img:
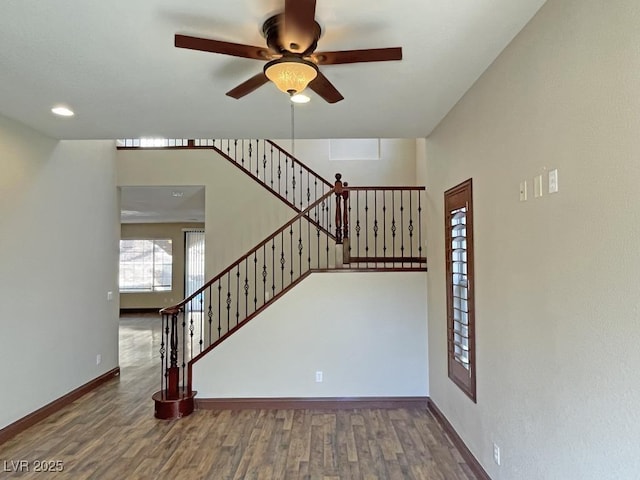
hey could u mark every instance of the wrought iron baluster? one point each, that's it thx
(291, 252)
(246, 287)
(264, 272)
(210, 315)
(237, 293)
(282, 260)
(273, 266)
(402, 226)
(219, 307)
(366, 223)
(271, 165)
(300, 247)
(163, 358)
(293, 183)
(184, 331)
(410, 224)
(393, 222)
(384, 224)
(279, 170)
(255, 281)
(419, 225)
(358, 228)
(375, 222)
(228, 302)
(300, 188)
(286, 177)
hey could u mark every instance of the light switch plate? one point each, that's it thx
(553, 180)
(537, 186)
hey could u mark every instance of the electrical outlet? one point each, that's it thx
(523, 191)
(318, 376)
(109, 296)
(98, 359)
(496, 454)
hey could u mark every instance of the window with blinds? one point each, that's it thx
(145, 265)
(460, 308)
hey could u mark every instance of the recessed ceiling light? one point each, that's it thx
(177, 194)
(62, 111)
(300, 98)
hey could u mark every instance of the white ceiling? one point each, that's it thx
(114, 63)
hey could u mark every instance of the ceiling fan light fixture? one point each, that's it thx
(291, 74)
(300, 98)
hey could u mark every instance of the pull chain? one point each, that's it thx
(293, 138)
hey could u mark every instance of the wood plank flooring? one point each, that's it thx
(111, 434)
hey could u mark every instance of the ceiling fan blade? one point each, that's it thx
(226, 48)
(249, 86)
(357, 56)
(323, 87)
(298, 32)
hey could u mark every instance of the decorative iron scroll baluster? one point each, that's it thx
(255, 281)
(300, 247)
(393, 223)
(286, 177)
(419, 226)
(375, 223)
(264, 273)
(210, 315)
(238, 294)
(282, 260)
(246, 287)
(293, 183)
(410, 225)
(184, 331)
(384, 224)
(228, 302)
(279, 171)
(402, 227)
(163, 358)
(219, 308)
(366, 223)
(291, 253)
(273, 267)
(358, 228)
(271, 165)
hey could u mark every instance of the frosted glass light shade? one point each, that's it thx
(291, 74)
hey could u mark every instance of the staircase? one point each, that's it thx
(335, 227)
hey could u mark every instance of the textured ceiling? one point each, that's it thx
(114, 63)
(162, 204)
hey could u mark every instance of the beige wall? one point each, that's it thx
(557, 276)
(59, 246)
(396, 165)
(175, 232)
(367, 343)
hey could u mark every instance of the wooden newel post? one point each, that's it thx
(345, 224)
(338, 191)
(173, 373)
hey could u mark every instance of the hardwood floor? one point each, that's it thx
(111, 434)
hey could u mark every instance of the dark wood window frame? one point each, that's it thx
(461, 345)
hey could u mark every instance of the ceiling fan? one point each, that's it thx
(292, 62)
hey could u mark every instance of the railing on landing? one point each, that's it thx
(263, 160)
